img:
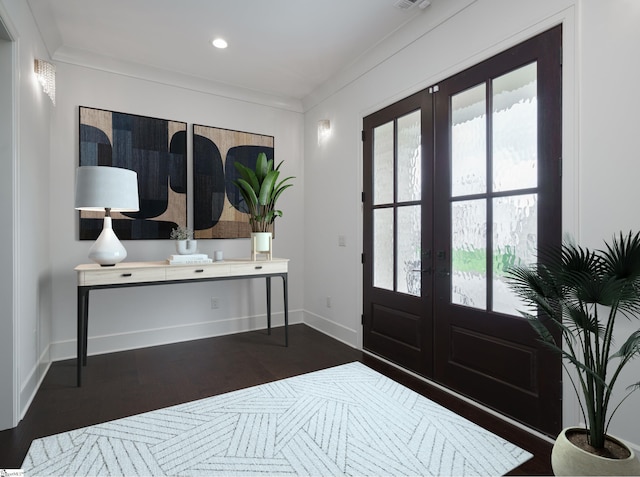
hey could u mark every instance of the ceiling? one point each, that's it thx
(286, 48)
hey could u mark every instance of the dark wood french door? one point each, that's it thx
(461, 181)
(398, 213)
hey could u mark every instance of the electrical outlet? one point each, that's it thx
(342, 240)
(328, 302)
(215, 303)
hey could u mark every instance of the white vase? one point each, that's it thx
(568, 459)
(186, 247)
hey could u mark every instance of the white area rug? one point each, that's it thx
(347, 420)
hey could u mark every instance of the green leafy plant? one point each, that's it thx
(181, 233)
(575, 296)
(260, 190)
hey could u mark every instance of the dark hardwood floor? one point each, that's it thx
(130, 382)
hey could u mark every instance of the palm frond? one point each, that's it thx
(567, 293)
(631, 347)
(622, 257)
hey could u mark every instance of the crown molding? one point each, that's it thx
(107, 64)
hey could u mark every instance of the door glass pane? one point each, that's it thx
(468, 142)
(383, 248)
(515, 240)
(383, 164)
(409, 235)
(515, 129)
(409, 170)
(469, 253)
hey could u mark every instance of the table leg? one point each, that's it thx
(85, 313)
(286, 310)
(269, 304)
(83, 308)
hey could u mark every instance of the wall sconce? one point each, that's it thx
(324, 130)
(46, 74)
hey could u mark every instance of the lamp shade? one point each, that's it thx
(102, 187)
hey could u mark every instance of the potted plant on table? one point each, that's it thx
(185, 245)
(575, 296)
(260, 190)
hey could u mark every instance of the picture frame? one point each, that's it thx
(218, 207)
(157, 150)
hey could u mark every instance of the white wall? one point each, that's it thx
(601, 101)
(32, 280)
(609, 155)
(144, 316)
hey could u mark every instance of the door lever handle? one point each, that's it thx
(443, 272)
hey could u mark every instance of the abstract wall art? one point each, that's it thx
(218, 208)
(157, 150)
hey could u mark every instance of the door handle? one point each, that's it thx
(442, 273)
(424, 270)
(441, 254)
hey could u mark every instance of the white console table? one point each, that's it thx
(133, 274)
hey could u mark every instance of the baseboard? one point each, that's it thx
(331, 328)
(34, 380)
(62, 350)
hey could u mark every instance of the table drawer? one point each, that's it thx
(115, 276)
(258, 268)
(187, 272)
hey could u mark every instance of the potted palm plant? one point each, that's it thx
(260, 190)
(575, 296)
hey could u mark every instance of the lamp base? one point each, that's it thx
(107, 249)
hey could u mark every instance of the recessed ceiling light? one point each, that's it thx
(219, 43)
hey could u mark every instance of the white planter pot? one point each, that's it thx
(261, 244)
(186, 247)
(262, 241)
(567, 459)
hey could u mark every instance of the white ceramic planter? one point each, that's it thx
(567, 459)
(261, 244)
(262, 241)
(186, 247)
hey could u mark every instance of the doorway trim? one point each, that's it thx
(9, 120)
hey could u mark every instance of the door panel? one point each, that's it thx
(397, 291)
(504, 361)
(497, 200)
(462, 181)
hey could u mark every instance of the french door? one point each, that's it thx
(461, 181)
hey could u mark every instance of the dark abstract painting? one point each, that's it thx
(218, 209)
(157, 150)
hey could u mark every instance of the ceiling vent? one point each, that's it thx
(409, 4)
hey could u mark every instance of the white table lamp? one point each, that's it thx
(111, 189)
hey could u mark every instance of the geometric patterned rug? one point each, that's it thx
(347, 420)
